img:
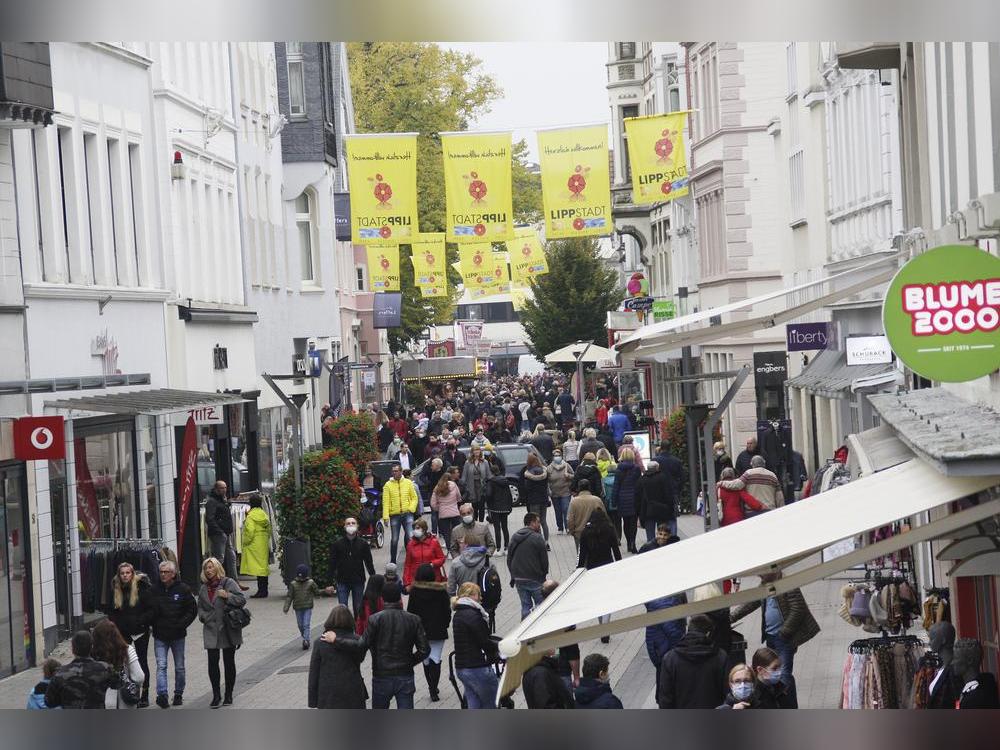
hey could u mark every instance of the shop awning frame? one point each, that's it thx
(686, 331)
(801, 530)
(146, 403)
(829, 375)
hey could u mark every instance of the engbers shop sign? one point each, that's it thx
(942, 313)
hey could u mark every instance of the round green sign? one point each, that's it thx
(942, 313)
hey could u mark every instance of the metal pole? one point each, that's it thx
(714, 417)
(580, 410)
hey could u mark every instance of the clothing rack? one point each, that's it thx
(866, 645)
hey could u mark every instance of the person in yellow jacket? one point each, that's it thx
(399, 504)
(256, 546)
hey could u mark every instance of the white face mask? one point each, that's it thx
(351, 529)
(468, 519)
(418, 533)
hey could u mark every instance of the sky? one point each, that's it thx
(544, 85)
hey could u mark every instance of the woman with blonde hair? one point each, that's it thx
(626, 484)
(132, 612)
(475, 650)
(217, 595)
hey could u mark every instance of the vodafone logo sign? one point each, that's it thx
(39, 438)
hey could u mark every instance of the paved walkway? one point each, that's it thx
(272, 667)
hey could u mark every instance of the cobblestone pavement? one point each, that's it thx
(272, 667)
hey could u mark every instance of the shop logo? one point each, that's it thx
(39, 439)
(942, 313)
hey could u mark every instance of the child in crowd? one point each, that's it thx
(36, 700)
(301, 595)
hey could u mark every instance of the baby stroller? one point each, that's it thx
(498, 667)
(370, 526)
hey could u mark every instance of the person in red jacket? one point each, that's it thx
(601, 413)
(423, 548)
(735, 499)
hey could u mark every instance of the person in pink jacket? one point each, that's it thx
(445, 500)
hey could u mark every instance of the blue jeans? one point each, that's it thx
(385, 688)
(561, 507)
(404, 520)
(434, 522)
(787, 653)
(353, 590)
(303, 618)
(160, 649)
(531, 596)
(480, 686)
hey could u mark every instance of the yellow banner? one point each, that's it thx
(478, 266)
(383, 185)
(477, 186)
(576, 181)
(383, 267)
(657, 156)
(434, 290)
(489, 291)
(429, 260)
(527, 258)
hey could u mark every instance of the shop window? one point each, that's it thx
(105, 482)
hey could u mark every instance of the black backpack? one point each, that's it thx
(491, 589)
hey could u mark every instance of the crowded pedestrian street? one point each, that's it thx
(499, 375)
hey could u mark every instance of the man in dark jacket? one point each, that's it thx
(656, 500)
(350, 556)
(672, 467)
(398, 643)
(543, 444)
(594, 690)
(588, 472)
(543, 687)
(785, 624)
(566, 404)
(745, 456)
(693, 673)
(83, 682)
(452, 456)
(528, 563)
(219, 528)
(174, 609)
(590, 443)
(607, 440)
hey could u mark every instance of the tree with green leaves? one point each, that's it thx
(410, 87)
(570, 301)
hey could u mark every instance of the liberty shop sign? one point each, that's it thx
(942, 313)
(807, 337)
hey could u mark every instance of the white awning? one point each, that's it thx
(794, 532)
(875, 450)
(757, 313)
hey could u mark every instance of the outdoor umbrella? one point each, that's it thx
(580, 352)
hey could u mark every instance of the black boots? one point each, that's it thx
(228, 700)
(216, 700)
(432, 672)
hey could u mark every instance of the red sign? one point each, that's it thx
(39, 438)
(444, 348)
(188, 475)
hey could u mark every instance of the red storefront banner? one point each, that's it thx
(188, 475)
(87, 509)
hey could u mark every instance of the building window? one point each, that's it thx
(626, 72)
(796, 183)
(360, 277)
(626, 50)
(706, 92)
(115, 202)
(305, 224)
(296, 79)
(793, 69)
(630, 110)
(712, 233)
(135, 189)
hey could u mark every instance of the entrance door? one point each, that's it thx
(16, 631)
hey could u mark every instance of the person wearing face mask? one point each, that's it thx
(472, 533)
(770, 688)
(423, 548)
(560, 476)
(350, 557)
(741, 688)
(785, 624)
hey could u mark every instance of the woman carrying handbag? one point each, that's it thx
(218, 599)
